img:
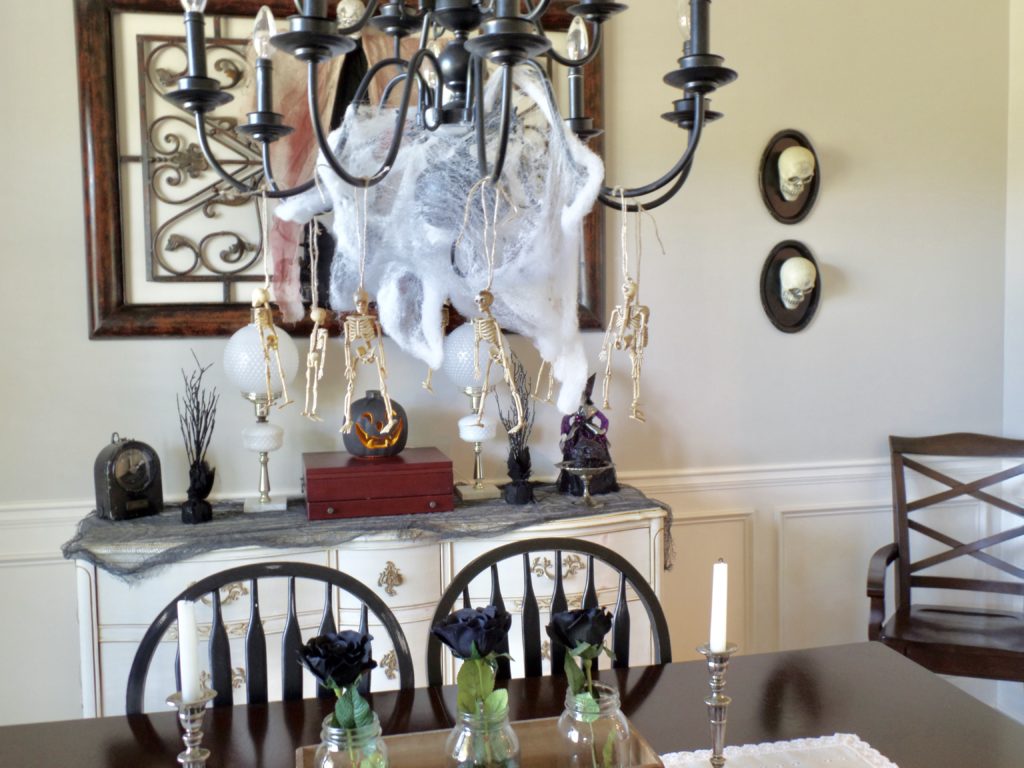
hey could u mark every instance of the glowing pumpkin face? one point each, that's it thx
(368, 431)
(366, 439)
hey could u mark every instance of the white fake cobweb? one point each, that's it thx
(415, 216)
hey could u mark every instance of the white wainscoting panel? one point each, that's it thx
(686, 589)
(822, 573)
(38, 604)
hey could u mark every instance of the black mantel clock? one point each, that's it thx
(127, 474)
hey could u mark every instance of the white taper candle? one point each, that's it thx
(188, 651)
(719, 605)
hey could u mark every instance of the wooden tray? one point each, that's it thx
(538, 744)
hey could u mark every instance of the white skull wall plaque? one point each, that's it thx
(790, 286)
(797, 276)
(796, 171)
(790, 176)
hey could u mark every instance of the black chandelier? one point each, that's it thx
(448, 82)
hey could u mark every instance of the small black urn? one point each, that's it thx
(520, 490)
(200, 482)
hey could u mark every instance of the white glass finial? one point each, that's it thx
(193, 6)
(683, 17)
(577, 41)
(262, 31)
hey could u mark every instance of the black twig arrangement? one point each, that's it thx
(197, 413)
(519, 491)
(200, 413)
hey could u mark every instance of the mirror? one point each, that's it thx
(171, 250)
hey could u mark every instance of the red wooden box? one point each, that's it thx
(339, 484)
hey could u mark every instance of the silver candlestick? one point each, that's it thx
(718, 702)
(190, 715)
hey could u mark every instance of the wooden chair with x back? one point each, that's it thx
(980, 633)
(331, 581)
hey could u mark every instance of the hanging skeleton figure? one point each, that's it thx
(264, 319)
(486, 328)
(364, 343)
(317, 355)
(630, 321)
(545, 367)
(427, 383)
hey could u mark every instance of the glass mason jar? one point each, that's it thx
(356, 748)
(482, 741)
(593, 731)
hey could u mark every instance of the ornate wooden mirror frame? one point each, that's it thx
(111, 314)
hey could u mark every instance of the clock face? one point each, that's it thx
(132, 470)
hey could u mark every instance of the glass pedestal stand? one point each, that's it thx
(477, 431)
(585, 474)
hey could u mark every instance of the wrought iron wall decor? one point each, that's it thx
(156, 214)
(802, 193)
(176, 186)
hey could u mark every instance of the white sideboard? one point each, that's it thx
(409, 575)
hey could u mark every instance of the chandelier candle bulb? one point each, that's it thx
(683, 14)
(262, 31)
(188, 651)
(719, 604)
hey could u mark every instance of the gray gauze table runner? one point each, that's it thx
(132, 549)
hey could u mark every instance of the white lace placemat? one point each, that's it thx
(841, 750)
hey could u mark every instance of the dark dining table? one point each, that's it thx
(913, 717)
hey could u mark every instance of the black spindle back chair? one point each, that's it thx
(531, 621)
(255, 638)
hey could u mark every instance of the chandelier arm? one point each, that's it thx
(476, 87)
(386, 93)
(275, 192)
(268, 171)
(539, 10)
(396, 139)
(364, 84)
(691, 147)
(371, 7)
(615, 201)
(428, 23)
(595, 48)
(204, 145)
(506, 123)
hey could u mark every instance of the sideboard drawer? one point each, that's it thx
(404, 575)
(139, 603)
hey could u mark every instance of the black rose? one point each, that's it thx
(586, 625)
(482, 628)
(337, 660)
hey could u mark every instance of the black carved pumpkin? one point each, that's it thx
(369, 417)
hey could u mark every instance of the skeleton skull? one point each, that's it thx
(361, 299)
(796, 169)
(796, 277)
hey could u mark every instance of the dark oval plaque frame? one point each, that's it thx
(787, 320)
(768, 179)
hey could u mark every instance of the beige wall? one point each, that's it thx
(907, 105)
(894, 123)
